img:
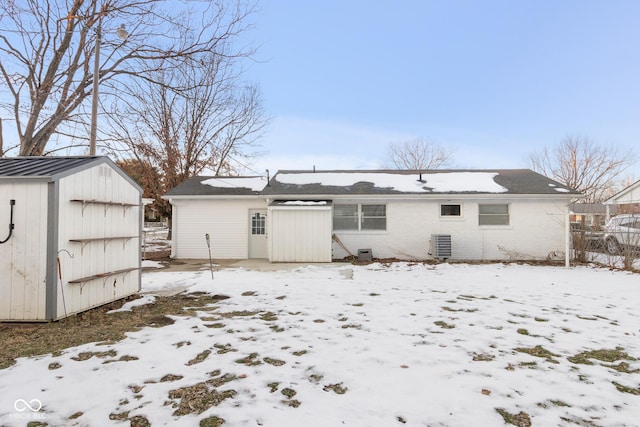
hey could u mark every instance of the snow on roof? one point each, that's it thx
(433, 182)
(254, 183)
(305, 203)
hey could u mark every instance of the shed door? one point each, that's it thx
(257, 233)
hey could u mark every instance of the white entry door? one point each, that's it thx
(258, 233)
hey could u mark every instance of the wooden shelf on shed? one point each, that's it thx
(105, 203)
(106, 240)
(103, 275)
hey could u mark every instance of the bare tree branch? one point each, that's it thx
(418, 154)
(582, 165)
(47, 54)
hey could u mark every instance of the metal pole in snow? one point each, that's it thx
(206, 236)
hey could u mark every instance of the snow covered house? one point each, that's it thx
(70, 230)
(318, 216)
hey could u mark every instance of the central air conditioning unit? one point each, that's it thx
(440, 246)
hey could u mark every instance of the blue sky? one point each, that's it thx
(494, 80)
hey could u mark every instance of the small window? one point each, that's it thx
(345, 217)
(374, 217)
(450, 210)
(493, 214)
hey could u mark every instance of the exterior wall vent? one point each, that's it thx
(440, 246)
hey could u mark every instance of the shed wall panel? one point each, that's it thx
(300, 235)
(226, 222)
(101, 222)
(23, 256)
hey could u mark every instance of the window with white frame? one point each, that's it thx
(359, 217)
(493, 214)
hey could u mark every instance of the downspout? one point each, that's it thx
(12, 203)
(567, 237)
(174, 214)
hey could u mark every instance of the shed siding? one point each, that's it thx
(226, 222)
(536, 230)
(97, 221)
(300, 235)
(24, 256)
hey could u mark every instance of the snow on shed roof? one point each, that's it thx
(511, 181)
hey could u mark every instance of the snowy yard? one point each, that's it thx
(377, 345)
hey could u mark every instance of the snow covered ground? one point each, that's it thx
(377, 345)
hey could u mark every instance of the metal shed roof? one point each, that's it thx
(52, 168)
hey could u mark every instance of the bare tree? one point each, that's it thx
(206, 127)
(418, 154)
(582, 165)
(47, 55)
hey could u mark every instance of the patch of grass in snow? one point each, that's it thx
(300, 353)
(552, 402)
(216, 325)
(480, 357)
(444, 325)
(625, 389)
(201, 357)
(20, 340)
(170, 378)
(522, 331)
(224, 348)
(197, 398)
(86, 355)
(54, 365)
(336, 388)
(623, 367)
(466, 310)
(520, 419)
(603, 355)
(75, 415)
(238, 313)
(250, 360)
(586, 318)
(273, 387)
(288, 392)
(269, 317)
(538, 351)
(540, 319)
(121, 416)
(249, 293)
(182, 343)
(274, 362)
(276, 328)
(125, 358)
(211, 422)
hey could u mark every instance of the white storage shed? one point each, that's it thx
(70, 229)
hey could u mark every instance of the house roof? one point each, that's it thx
(374, 182)
(51, 168)
(220, 186)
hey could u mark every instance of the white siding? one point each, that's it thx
(536, 230)
(631, 195)
(102, 222)
(226, 222)
(300, 234)
(23, 258)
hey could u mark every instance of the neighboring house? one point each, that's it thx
(70, 236)
(317, 216)
(626, 201)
